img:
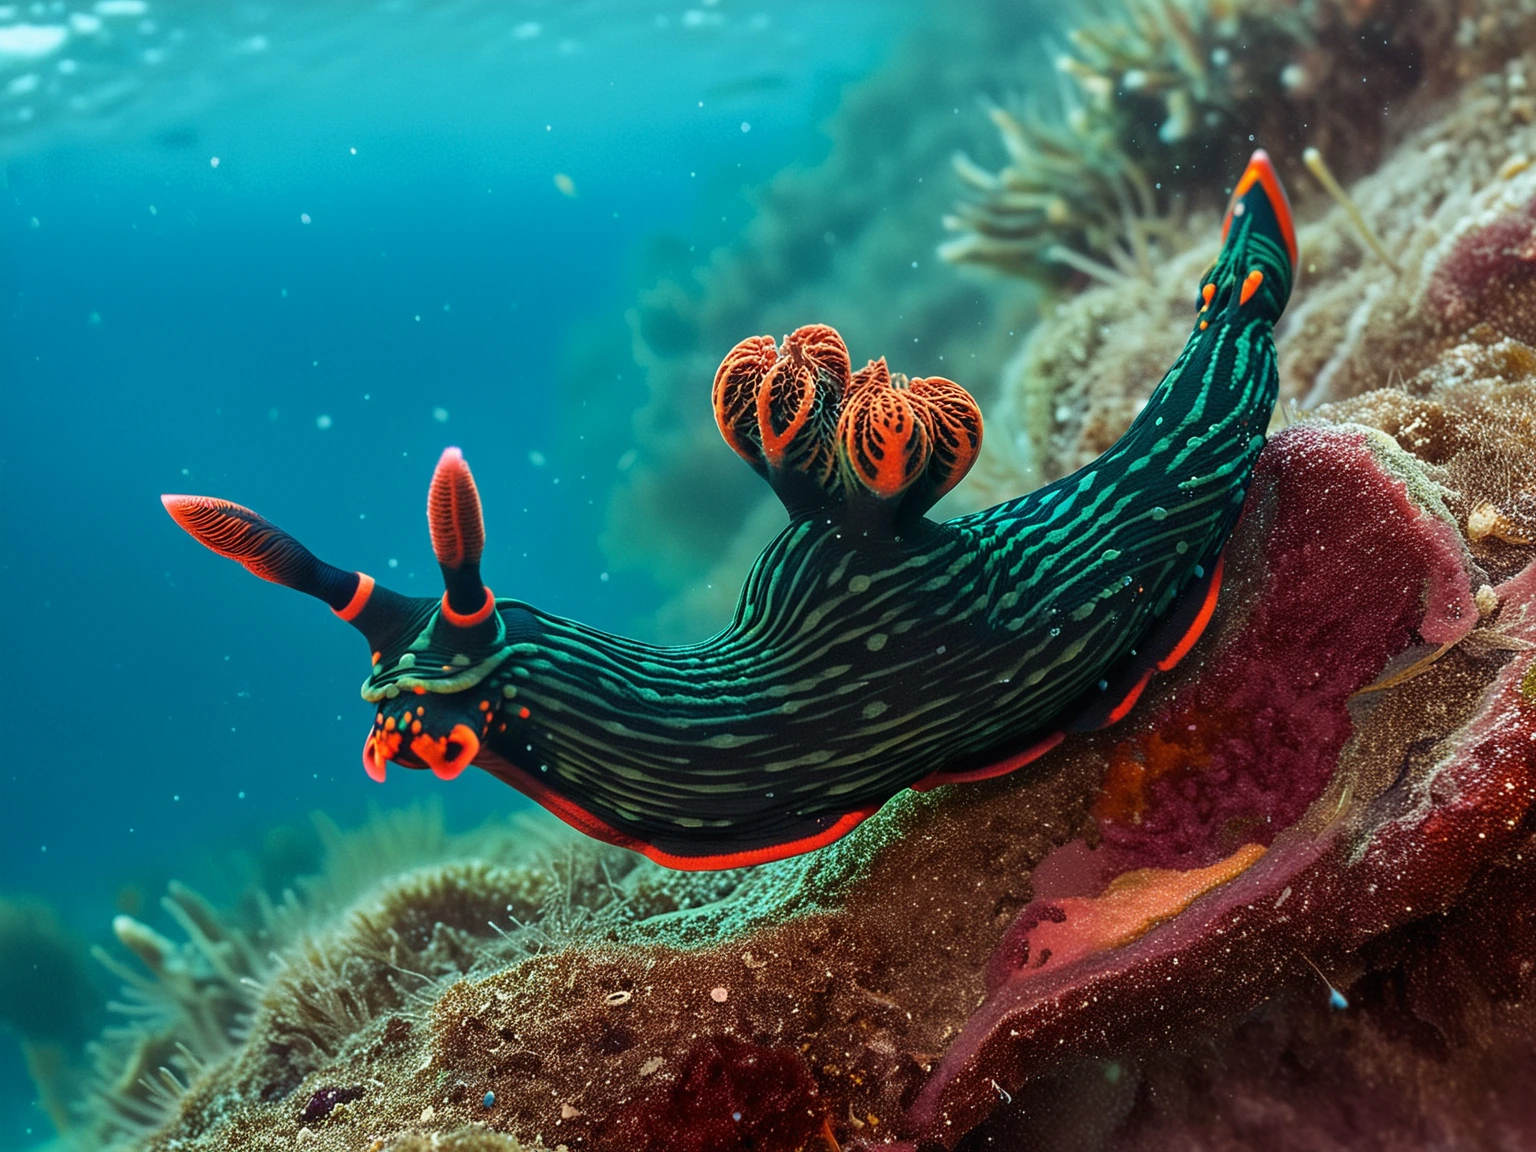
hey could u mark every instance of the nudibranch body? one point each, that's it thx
(872, 649)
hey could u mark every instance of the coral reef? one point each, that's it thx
(46, 991)
(897, 984)
(1438, 202)
(1163, 97)
(48, 999)
(188, 1004)
(1285, 902)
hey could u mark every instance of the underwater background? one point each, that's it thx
(285, 254)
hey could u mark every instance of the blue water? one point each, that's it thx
(284, 254)
(285, 257)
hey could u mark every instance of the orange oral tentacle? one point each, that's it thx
(433, 751)
(374, 756)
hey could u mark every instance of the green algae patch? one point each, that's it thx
(1406, 469)
(470, 1139)
(717, 907)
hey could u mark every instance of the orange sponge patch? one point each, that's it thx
(1132, 905)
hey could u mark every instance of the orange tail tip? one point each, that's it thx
(1261, 171)
(453, 512)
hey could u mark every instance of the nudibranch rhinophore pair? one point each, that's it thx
(872, 649)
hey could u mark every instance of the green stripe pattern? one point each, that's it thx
(857, 663)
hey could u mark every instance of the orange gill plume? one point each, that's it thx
(953, 419)
(897, 434)
(737, 381)
(882, 441)
(797, 411)
(798, 402)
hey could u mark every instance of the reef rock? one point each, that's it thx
(1451, 205)
(1346, 756)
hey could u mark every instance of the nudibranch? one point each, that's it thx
(872, 649)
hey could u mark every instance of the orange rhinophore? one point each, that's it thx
(453, 512)
(458, 540)
(236, 532)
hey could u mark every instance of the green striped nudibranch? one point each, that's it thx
(872, 649)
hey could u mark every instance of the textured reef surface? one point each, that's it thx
(1333, 796)
(1287, 902)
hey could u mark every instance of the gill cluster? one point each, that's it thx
(822, 434)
